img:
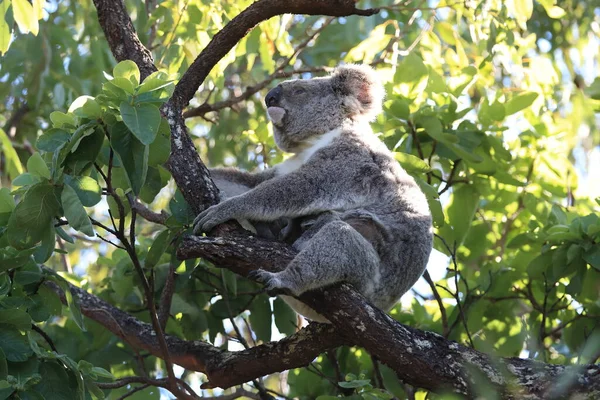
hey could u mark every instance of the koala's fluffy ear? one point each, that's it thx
(360, 88)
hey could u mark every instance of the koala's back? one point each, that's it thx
(386, 207)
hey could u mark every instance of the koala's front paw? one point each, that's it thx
(273, 284)
(213, 216)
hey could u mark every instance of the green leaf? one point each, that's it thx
(161, 242)
(286, 319)
(16, 317)
(7, 203)
(142, 119)
(132, 153)
(37, 166)
(45, 250)
(355, 383)
(260, 317)
(85, 106)
(39, 206)
(72, 303)
(62, 120)
(11, 159)
(433, 127)
(399, 108)
(411, 163)
(592, 257)
(129, 70)
(411, 76)
(25, 179)
(520, 102)
(74, 211)
(85, 151)
(52, 140)
(4, 28)
(15, 346)
(56, 383)
(461, 211)
(556, 12)
(25, 17)
(88, 190)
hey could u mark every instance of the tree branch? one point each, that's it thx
(223, 368)
(421, 359)
(121, 37)
(241, 24)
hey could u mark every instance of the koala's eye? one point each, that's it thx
(299, 91)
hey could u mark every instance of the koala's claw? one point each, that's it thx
(272, 283)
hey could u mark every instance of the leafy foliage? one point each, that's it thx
(491, 106)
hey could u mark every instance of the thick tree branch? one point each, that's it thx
(422, 359)
(223, 368)
(121, 37)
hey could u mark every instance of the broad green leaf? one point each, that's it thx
(152, 84)
(85, 106)
(25, 17)
(74, 211)
(56, 383)
(38, 207)
(461, 211)
(132, 153)
(88, 190)
(260, 317)
(11, 159)
(159, 246)
(433, 127)
(7, 203)
(46, 248)
(286, 319)
(62, 120)
(142, 119)
(15, 317)
(411, 76)
(52, 139)
(123, 84)
(520, 102)
(15, 346)
(129, 70)
(25, 179)
(85, 152)
(592, 257)
(398, 108)
(411, 163)
(37, 166)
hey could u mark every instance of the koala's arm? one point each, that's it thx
(312, 189)
(233, 182)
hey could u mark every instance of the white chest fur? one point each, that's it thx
(298, 160)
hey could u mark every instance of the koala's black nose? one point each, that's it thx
(273, 96)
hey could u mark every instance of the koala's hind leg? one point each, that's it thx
(335, 253)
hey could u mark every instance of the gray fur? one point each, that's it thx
(370, 223)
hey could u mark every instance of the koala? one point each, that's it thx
(363, 219)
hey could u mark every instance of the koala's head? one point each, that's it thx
(302, 109)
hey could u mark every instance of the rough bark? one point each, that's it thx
(422, 359)
(121, 37)
(222, 368)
